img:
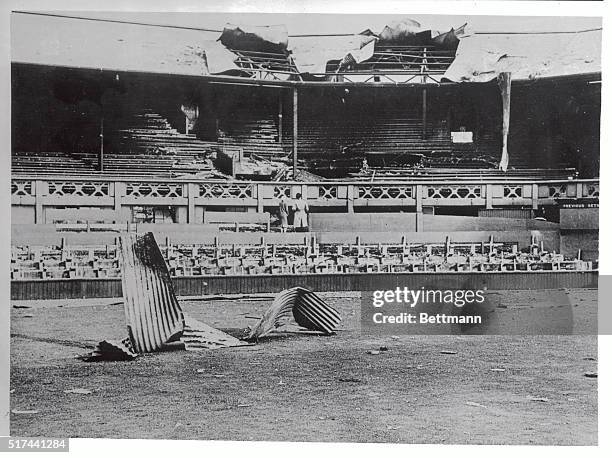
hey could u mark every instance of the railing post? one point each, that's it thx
(260, 198)
(534, 196)
(39, 211)
(350, 196)
(419, 208)
(119, 194)
(579, 192)
(489, 196)
(192, 193)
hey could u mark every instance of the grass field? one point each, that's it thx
(304, 387)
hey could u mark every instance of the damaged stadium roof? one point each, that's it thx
(403, 52)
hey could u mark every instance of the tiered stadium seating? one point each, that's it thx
(389, 134)
(50, 162)
(147, 144)
(254, 136)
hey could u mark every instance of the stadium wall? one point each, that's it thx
(198, 286)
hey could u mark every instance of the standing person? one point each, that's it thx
(283, 213)
(300, 217)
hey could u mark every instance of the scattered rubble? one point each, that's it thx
(536, 399)
(475, 404)
(78, 391)
(111, 350)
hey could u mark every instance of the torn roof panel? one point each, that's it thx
(269, 39)
(116, 46)
(312, 53)
(67, 42)
(403, 31)
(481, 57)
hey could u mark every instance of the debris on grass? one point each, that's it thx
(349, 380)
(15, 306)
(77, 391)
(590, 374)
(498, 369)
(384, 348)
(448, 352)
(537, 399)
(589, 358)
(111, 350)
(154, 317)
(373, 352)
(24, 412)
(475, 404)
(199, 336)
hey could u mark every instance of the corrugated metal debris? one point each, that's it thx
(199, 336)
(308, 310)
(151, 309)
(154, 317)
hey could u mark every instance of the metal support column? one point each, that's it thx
(295, 130)
(424, 113)
(101, 156)
(504, 81)
(280, 116)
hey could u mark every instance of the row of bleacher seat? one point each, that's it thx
(256, 134)
(458, 174)
(309, 257)
(389, 134)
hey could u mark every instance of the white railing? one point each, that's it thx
(118, 193)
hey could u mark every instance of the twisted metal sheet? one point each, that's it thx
(308, 310)
(152, 311)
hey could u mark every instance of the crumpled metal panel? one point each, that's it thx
(154, 317)
(200, 336)
(308, 310)
(152, 311)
